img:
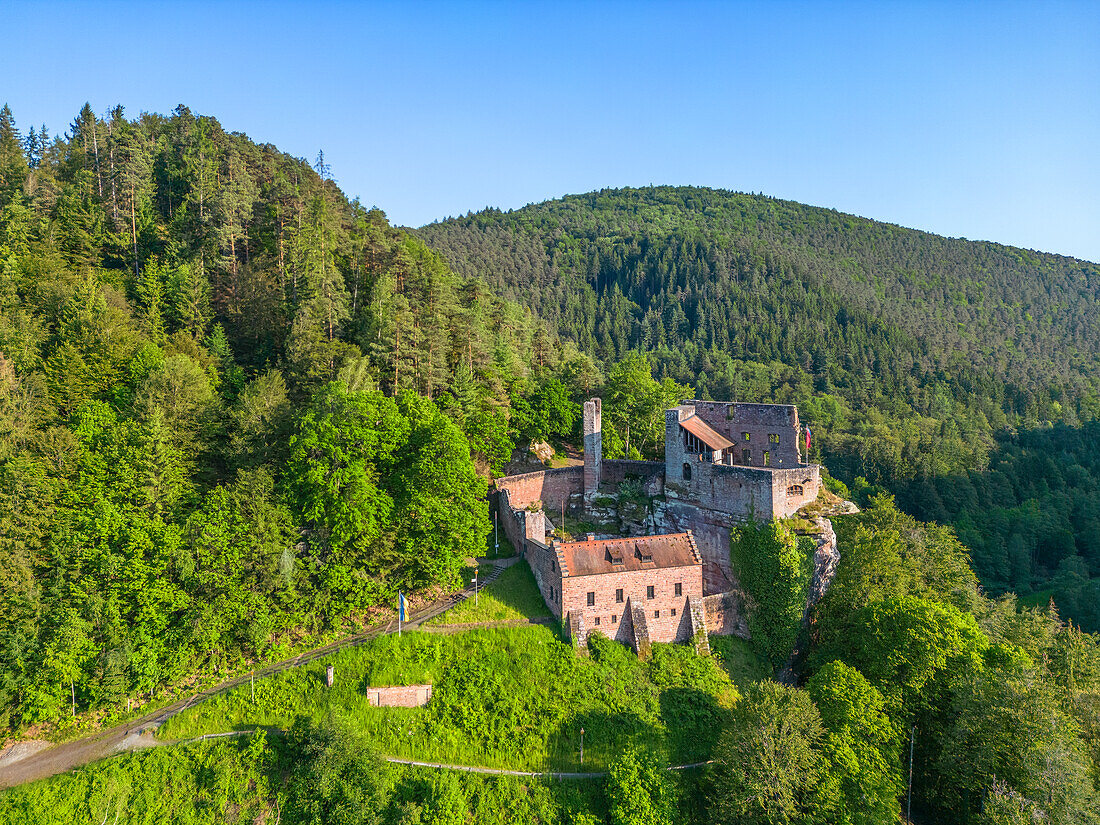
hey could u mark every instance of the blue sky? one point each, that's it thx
(979, 120)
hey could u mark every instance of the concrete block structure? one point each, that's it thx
(725, 463)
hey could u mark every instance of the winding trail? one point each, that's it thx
(134, 734)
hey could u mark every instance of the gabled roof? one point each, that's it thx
(705, 433)
(592, 556)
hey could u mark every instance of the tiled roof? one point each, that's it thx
(705, 433)
(586, 558)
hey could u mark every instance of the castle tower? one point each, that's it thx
(593, 448)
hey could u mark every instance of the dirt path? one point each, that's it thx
(18, 766)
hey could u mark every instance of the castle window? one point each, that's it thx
(773, 438)
(656, 614)
(591, 599)
(619, 596)
(745, 437)
(614, 619)
(679, 588)
(795, 490)
(596, 620)
(649, 592)
(767, 458)
(746, 456)
(674, 611)
(687, 471)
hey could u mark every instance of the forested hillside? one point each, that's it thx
(235, 408)
(923, 364)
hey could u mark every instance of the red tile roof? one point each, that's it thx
(589, 557)
(705, 433)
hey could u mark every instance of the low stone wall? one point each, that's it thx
(726, 614)
(400, 696)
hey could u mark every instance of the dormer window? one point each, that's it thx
(615, 555)
(643, 553)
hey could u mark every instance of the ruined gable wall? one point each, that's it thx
(663, 628)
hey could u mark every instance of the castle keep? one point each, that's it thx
(662, 573)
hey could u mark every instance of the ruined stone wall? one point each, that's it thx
(526, 530)
(726, 614)
(793, 488)
(737, 491)
(551, 487)
(593, 447)
(607, 616)
(401, 696)
(650, 473)
(734, 419)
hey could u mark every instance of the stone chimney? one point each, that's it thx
(593, 448)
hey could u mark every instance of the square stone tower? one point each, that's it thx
(593, 448)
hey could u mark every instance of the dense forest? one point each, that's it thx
(235, 408)
(238, 412)
(963, 376)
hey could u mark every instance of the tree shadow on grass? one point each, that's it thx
(516, 589)
(694, 720)
(606, 735)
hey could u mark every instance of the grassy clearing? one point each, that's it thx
(511, 597)
(244, 781)
(504, 697)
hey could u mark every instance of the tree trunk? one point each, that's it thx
(133, 230)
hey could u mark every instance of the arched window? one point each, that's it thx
(687, 471)
(795, 490)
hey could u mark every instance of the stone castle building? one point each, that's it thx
(663, 574)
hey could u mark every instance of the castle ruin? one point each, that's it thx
(662, 573)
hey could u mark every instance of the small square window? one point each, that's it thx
(773, 438)
(656, 614)
(596, 620)
(745, 437)
(591, 598)
(649, 594)
(674, 611)
(679, 588)
(614, 619)
(619, 596)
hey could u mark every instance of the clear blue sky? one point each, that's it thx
(979, 120)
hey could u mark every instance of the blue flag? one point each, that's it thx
(401, 605)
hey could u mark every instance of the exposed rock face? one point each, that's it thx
(542, 451)
(826, 558)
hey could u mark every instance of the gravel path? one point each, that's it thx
(18, 765)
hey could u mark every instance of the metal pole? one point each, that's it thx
(909, 795)
(496, 533)
(582, 746)
(252, 677)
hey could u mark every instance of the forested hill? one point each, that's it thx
(915, 358)
(862, 307)
(236, 409)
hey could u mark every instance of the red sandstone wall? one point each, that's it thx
(551, 487)
(808, 478)
(665, 628)
(402, 696)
